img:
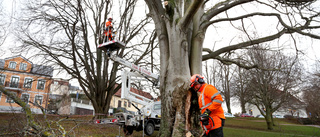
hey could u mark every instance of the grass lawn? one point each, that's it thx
(257, 127)
(234, 127)
(236, 132)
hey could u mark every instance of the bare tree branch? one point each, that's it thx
(192, 9)
(243, 45)
(223, 6)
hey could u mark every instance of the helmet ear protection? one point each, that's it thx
(199, 79)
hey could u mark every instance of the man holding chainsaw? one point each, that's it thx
(212, 116)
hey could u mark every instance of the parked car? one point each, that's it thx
(259, 116)
(245, 115)
(228, 115)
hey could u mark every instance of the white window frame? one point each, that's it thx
(9, 99)
(24, 83)
(4, 79)
(11, 65)
(17, 83)
(23, 66)
(44, 85)
(28, 97)
(35, 97)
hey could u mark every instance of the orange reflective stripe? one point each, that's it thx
(212, 99)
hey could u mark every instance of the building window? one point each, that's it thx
(23, 66)
(119, 103)
(25, 98)
(125, 103)
(28, 82)
(2, 79)
(14, 82)
(10, 100)
(12, 65)
(38, 99)
(41, 84)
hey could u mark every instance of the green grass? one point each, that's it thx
(257, 127)
(236, 132)
(234, 127)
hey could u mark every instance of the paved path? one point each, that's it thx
(313, 126)
(302, 125)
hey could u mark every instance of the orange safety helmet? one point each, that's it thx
(196, 78)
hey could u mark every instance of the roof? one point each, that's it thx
(139, 92)
(36, 69)
(42, 70)
(73, 87)
(19, 56)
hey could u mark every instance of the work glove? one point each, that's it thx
(207, 112)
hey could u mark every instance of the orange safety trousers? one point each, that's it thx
(211, 99)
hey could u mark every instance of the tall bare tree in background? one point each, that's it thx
(181, 27)
(3, 30)
(270, 89)
(240, 88)
(220, 76)
(311, 94)
(66, 34)
(226, 75)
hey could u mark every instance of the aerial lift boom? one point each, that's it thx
(151, 109)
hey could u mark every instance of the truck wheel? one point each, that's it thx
(127, 130)
(149, 129)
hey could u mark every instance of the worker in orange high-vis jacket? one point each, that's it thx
(212, 116)
(108, 30)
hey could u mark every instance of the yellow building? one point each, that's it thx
(28, 81)
(117, 102)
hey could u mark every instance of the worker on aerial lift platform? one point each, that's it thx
(108, 30)
(109, 43)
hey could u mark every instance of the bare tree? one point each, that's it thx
(3, 30)
(226, 75)
(270, 89)
(181, 27)
(66, 34)
(240, 88)
(311, 94)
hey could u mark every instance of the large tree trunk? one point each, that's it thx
(174, 82)
(180, 47)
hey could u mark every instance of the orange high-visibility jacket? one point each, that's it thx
(210, 98)
(108, 27)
